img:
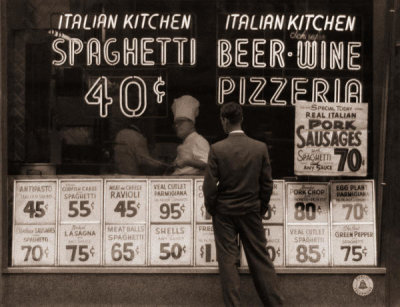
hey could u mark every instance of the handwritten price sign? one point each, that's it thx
(34, 245)
(205, 246)
(275, 213)
(353, 201)
(307, 245)
(125, 244)
(125, 201)
(81, 200)
(80, 244)
(171, 245)
(331, 139)
(35, 201)
(353, 245)
(171, 201)
(307, 203)
(202, 215)
(275, 247)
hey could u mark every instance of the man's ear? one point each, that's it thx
(223, 122)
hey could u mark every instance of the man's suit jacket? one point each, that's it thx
(238, 176)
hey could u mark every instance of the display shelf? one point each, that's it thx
(185, 270)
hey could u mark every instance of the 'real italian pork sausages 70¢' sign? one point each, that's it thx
(331, 139)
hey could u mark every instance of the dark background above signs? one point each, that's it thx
(52, 97)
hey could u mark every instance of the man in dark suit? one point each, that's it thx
(237, 188)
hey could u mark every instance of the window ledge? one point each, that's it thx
(185, 270)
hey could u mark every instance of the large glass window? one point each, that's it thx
(74, 83)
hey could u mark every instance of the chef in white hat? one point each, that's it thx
(192, 154)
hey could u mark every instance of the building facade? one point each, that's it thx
(87, 89)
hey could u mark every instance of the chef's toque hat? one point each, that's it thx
(185, 107)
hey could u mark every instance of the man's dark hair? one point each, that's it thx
(233, 112)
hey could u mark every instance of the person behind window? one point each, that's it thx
(192, 154)
(131, 154)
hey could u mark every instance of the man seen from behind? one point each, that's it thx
(237, 188)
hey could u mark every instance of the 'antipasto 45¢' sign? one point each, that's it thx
(331, 139)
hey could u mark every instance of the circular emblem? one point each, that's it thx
(363, 285)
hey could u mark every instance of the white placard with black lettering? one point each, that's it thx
(275, 245)
(307, 245)
(275, 213)
(354, 245)
(125, 201)
(125, 245)
(81, 200)
(171, 200)
(34, 245)
(353, 201)
(331, 139)
(202, 216)
(206, 254)
(171, 245)
(307, 202)
(79, 244)
(35, 202)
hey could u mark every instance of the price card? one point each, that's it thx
(275, 246)
(352, 201)
(125, 201)
(307, 245)
(34, 245)
(202, 216)
(331, 139)
(171, 245)
(81, 200)
(206, 254)
(307, 202)
(79, 244)
(171, 200)
(275, 213)
(35, 201)
(353, 245)
(125, 244)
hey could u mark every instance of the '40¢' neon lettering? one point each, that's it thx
(98, 95)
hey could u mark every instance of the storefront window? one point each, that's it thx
(74, 84)
(109, 100)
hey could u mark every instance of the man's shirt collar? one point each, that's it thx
(236, 131)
